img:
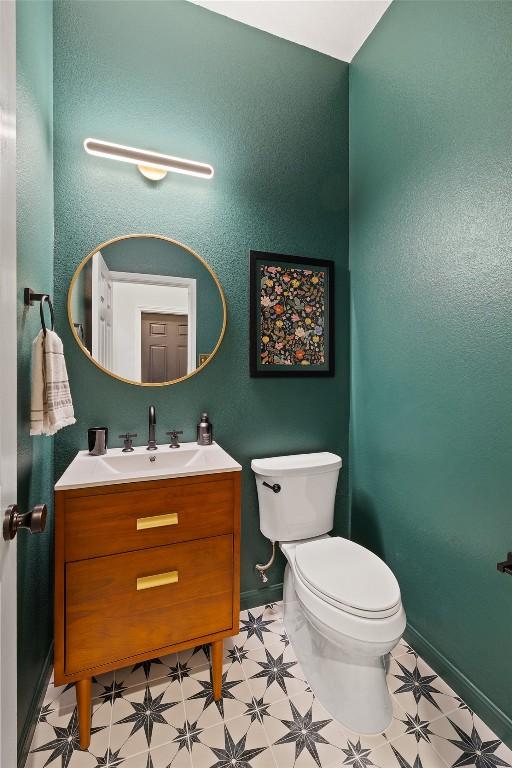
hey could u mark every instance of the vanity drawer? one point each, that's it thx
(122, 605)
(123, 520)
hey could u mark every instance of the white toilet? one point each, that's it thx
(342, 607)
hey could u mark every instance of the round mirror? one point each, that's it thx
(147, 309)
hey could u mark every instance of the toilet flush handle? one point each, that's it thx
(276, 487)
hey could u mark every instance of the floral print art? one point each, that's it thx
(292, 316)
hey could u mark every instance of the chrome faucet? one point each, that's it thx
(152, 446)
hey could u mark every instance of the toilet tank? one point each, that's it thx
(300, 502)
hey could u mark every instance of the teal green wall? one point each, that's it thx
(35, 269)
(430, 212)
(272, 118)
(431, 274)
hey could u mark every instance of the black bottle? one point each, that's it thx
(97, 440)
(204, 431)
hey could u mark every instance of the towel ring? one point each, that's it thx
(46, 298)
(29, 296)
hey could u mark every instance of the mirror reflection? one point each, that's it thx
(147, 309)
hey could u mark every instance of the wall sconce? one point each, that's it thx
(152, 165)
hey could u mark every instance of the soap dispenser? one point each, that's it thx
(204, 431)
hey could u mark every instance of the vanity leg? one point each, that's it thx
(83, 702)
(217, 649)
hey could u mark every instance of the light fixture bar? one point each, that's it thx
(145, 158)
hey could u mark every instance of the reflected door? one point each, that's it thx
(102, 312)
(164, 346)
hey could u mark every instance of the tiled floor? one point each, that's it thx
(161, 714)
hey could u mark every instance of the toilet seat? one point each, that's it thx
(340, 625)
(348, 577)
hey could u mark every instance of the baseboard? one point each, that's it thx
(492, 715)
(254, 597)
(30, 723)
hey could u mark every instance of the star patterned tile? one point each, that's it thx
(161, 714)
(400, 649)
(200, 706)
(167, 756)
(418, 689)
(396, 728)
(462, 738)
(407, 753)
(63, 697)
(144, 672)
(146, 717)
(260, 626)
(303, 734)
(237, 744)
(56, 740)
(274, 673)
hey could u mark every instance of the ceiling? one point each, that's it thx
(335, 27)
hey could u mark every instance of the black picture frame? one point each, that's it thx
(256, 367)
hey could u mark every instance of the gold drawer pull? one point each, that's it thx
(156, 521)
(158, 580)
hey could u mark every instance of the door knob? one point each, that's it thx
(35, 520)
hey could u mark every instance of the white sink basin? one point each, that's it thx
(156, 461)
(118, 467)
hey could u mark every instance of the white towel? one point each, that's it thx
(52, 407)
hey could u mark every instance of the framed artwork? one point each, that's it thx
(291, 315)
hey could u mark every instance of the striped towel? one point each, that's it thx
(52, 407)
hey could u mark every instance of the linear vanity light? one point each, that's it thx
(152, 165)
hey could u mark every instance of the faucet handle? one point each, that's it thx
(127, 437)
(173, 434)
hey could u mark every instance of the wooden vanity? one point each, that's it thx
(144, 569)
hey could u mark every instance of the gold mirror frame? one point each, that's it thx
(121, 378)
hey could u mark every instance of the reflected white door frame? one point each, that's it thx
(169, 281)
(102, 312)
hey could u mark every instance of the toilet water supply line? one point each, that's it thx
(262, 568)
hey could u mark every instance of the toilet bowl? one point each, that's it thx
(342, 605)
(342, 652)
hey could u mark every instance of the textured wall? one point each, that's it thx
(35, 269)
(431, 271)
(272, 119)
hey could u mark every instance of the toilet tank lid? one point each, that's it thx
(298, 464)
